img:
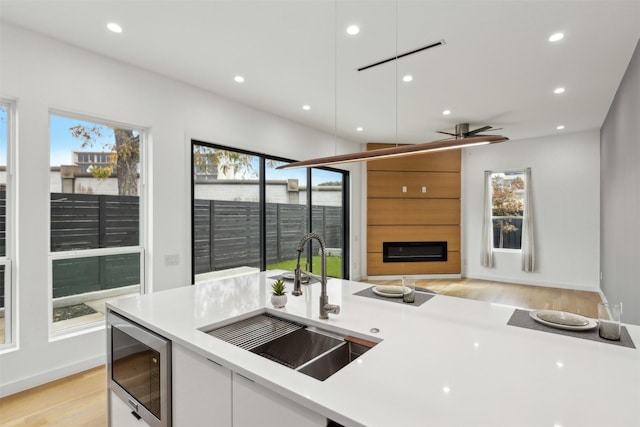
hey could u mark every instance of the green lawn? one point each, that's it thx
(334, 266)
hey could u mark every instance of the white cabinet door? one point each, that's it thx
(201, 390)
(254, 405)
(120, 414)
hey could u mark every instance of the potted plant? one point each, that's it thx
(279, 295)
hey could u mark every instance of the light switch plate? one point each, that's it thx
(173, 259)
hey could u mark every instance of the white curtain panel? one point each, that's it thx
(487, 224)
(528, 249)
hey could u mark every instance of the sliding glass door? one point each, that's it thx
(226, 226)
(247, 214)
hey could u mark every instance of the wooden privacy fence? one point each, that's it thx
(73, 276)
(227, 233)
(90, 221)
(510, 240)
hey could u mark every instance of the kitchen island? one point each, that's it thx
(447, 362)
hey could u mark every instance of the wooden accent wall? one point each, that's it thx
(429, 210)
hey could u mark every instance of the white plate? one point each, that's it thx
(383, 291)
(563, 320)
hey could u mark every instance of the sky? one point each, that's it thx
(3, 136)
(63, 143)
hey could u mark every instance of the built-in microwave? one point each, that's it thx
(139, 369)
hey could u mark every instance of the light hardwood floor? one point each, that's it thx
(524, 296)
(80, 400)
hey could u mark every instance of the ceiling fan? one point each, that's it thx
(462, 131)
(462, 138)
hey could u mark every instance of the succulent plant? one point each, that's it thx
(278, 287)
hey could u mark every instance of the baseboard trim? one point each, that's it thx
(51, 375)
(520, 281)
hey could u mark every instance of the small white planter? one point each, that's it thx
(279, 301)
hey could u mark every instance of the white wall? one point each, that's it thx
(41, 74)
(566, 198)
(620, 169)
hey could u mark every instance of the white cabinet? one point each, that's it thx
(254, 405)
(207, 394)
(121, 415)
(201, 390)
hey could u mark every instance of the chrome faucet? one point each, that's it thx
(325, 307)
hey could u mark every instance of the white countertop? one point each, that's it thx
(449, 362)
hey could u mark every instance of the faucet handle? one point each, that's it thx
(331, 308)
(297, 281)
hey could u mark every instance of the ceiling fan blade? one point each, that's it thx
(446, 133)
(402, 150)
(475, 131)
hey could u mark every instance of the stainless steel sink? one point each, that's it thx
(297, 348)
(312, 351)
(323, 366)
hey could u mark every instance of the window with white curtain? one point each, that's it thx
(507, 208)
(508, 216)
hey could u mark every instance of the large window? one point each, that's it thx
(507, 202)
(96, 207)
(7, 112)
(249, 214)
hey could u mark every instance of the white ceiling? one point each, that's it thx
(497, 66)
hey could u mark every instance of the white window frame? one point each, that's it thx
(89, 253)
(55, 335)
(493, 217)
(10, 317)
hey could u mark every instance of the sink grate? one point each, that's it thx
(255, 331)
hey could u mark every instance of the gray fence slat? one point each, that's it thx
(226, 235)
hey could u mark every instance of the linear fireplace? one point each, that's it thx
(414, 251)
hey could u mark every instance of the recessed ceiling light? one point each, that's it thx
(306, 107)
(353, 30)
(359, 129)
(407, 78)
(446, 112)
(556, 37)
(112, 26)
(239, 79)
(558, 90)
(560, 127)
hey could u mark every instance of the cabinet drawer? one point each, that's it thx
(255, 405)
(121, 415)
(201, 390)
